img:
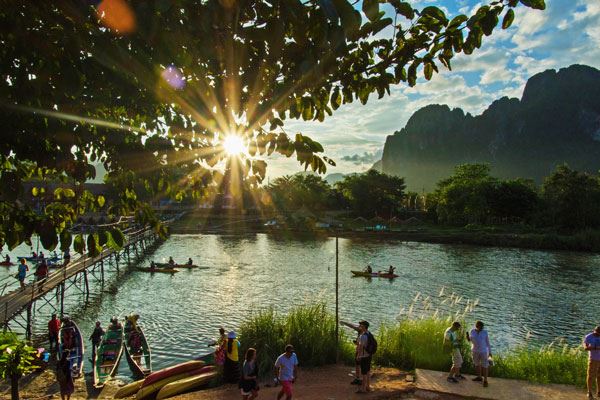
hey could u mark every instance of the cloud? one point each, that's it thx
(365, 158)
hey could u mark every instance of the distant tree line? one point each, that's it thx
(567, 199)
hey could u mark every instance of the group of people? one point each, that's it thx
(390, 270)
(227, 354)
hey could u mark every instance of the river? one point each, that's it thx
(522, 295)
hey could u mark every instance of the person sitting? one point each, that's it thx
(369, 269)
(171, 261)
(391, 270)
(34, 254)
(152, 266)
(115, 325)
(190, 262)
(7, 258)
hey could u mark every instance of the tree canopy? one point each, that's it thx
(151, 88)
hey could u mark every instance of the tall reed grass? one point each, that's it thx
(414, 341)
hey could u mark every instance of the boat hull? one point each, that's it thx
(140, 361)
(183, 385)
(76, 348)
(108, 357)
(374, 274)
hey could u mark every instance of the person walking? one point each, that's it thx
(248, 384)
(231, 369)
(356, 380)
(22, 272)
(96, 338)
(364, 355)
(286, 369)
(64, 377)
(452, 344)
(53, 329)
(481, 350)
(591, 343)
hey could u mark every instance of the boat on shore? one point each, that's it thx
(186, 384)
(378, 274)
(108, 356)
(137, 350)
(70, 338)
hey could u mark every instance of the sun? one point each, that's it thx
(233, 145)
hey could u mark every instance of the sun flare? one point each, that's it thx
(233, 145)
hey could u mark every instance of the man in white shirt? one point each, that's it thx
(481, 349)
(286, 367)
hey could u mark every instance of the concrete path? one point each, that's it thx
(429, 383)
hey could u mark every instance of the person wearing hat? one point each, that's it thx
(53, 329)
(363, 357)
(96, 338)
(231, 369)
(452, 343)
(591, 343)
(286, 368)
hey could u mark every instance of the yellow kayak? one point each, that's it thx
(149, 390)
(186, 384)
(129, 390)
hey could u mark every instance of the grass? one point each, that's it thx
(414, 341)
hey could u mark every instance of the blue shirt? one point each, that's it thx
(286, 366)
(593, 341)
(22, 270)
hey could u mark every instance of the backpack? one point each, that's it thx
(371, 344)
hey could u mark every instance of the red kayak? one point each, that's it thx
(174, 370)
(7, 263)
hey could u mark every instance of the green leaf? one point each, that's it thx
(403, 8)
(428, 71)
(66, 239)
(508, 18)
(536, 4)
(92, 245)
(35, 191)
(457, 21)
(435, 13)
(69, 193)
(48, 236)
(118, 237)
(79, 244)
(102, 238)
(100, 200)
(336, 98)
(371, 9)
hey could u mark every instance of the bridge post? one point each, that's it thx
(87, 285)
(102, 270)
(62, 298)
(28, 327)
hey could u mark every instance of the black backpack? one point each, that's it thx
(371, 344)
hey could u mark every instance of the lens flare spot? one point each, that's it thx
(117, 16)
(233, 145)
(173, 77)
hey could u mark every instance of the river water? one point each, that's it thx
(523, 296)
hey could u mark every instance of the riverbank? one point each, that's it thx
(584, 241)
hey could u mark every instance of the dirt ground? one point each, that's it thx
(327, 383)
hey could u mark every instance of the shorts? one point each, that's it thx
(480, 359)
(457, 359)
(286, 387)
(593, 370)
(365, 365)
(52, 337)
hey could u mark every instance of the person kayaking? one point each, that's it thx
(171, 261)
(190, 262)
(391, 270)
(152, 266)
(369, 269)
(7, 258)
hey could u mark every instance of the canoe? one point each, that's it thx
(160, 270)
(139, 360)
(167, 265)
(174, 370)
(374, 274)
(129, 389)
(183, 385)
(108, 356)
(7, 263)
(149, 390)
(69, 338)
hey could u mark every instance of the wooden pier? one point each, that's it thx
(17, 307)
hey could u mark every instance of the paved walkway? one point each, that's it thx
(431, 382)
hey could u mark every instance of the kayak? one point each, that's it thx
(69, 338)
(374, 274)
(160, 270)
(138, 354)
(148, 390)
(174, 370)
(129, 389)
(108, 356)
(183, 385)
(7, 263)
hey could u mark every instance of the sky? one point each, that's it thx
(566, 33)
